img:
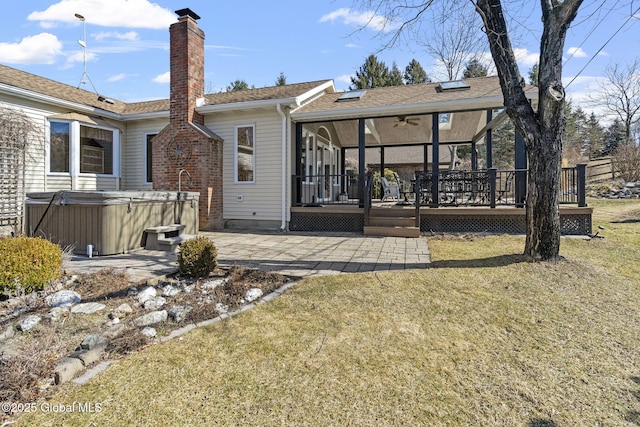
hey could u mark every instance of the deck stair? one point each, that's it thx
(165, 237)
(392, 222)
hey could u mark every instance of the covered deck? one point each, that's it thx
(340, 145)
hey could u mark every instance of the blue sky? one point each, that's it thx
(255, 40)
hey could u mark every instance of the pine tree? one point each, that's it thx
(281, 80)
(372, 73)
(395, 76)
(415, 74)
(475, 69)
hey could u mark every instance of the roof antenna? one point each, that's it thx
(83, 43)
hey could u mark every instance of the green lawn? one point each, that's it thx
(482, 338)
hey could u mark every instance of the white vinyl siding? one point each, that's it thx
(134, 158)
(260, 201)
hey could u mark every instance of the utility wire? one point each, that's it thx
(603, 46)
(595, 27)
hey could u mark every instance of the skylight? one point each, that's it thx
(453, 85)
(354, 95)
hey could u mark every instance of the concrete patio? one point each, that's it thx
(294, 254)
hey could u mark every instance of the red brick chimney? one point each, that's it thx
(187, 68)
(186, 143)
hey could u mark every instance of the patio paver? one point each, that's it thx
(299, 254)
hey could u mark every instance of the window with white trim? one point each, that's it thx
(244, 153)
(77, 148)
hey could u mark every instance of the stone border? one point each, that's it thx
(71, 367)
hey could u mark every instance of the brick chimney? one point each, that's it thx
(186, 143)
(187, 68)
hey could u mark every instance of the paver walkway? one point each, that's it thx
(293, 254)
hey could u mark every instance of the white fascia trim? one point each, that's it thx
(141, 116)
(315, 91)
(247, 105)
(11, 90)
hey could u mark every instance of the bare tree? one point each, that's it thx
(452, 38)
(620, 94)
(541, 129)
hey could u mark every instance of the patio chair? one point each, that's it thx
(389, 190)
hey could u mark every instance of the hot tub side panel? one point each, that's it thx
(110, 228)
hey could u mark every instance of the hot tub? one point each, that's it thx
(113, 222)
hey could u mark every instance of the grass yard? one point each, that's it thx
(482, 338)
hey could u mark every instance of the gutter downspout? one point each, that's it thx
(283, 195)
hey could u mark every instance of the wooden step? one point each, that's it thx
(393, 212)
(389, 221)
(372, 230)
(171, 244)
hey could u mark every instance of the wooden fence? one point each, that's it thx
(601, 170)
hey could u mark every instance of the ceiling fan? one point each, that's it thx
(404, 120)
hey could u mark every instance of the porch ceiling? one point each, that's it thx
(385, 131)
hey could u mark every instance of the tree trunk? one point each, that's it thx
(541, 130)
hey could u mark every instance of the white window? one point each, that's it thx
(76, 148)
(244, 153)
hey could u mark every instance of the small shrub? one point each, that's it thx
(28, 263)
(198, 257)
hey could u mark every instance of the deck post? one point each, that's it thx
(492, 187)
(488, 140)
(418, 196)
(521, 173)
(297, 190)
(381, 161)
(425, 165)
(343, 170)
(435, 159)
(581, 169)
(361, 162)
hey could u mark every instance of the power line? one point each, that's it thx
(632, 15)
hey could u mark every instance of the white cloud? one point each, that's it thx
(117, 77)
(352, 46)
(78, 58)
(576, 52)
(162, 78)
(39, 49)
(130, 35)
(526, 58)
(106, 13)
(360, 19)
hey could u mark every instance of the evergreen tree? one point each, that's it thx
(533, 75)
(281, 80)
(593, 137)
(372, 73)
(475, 69)
(238, 85)
(614, 136)
(415, 74)
(395, 76)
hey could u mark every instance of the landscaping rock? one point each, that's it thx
(122, 310)
(7, 333)
(151, 318)
(114, 331)
(146, 293)
(221, 308)
(67, 370)
(154, 303)
(87, 308)
(211, 285)
(149, 331)
(179, 313)
(28, 323)
(56, 313)
(93, 354)
(90, 341)
(187, 289)
(170, 291)
(62, 298)
(253, 294)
